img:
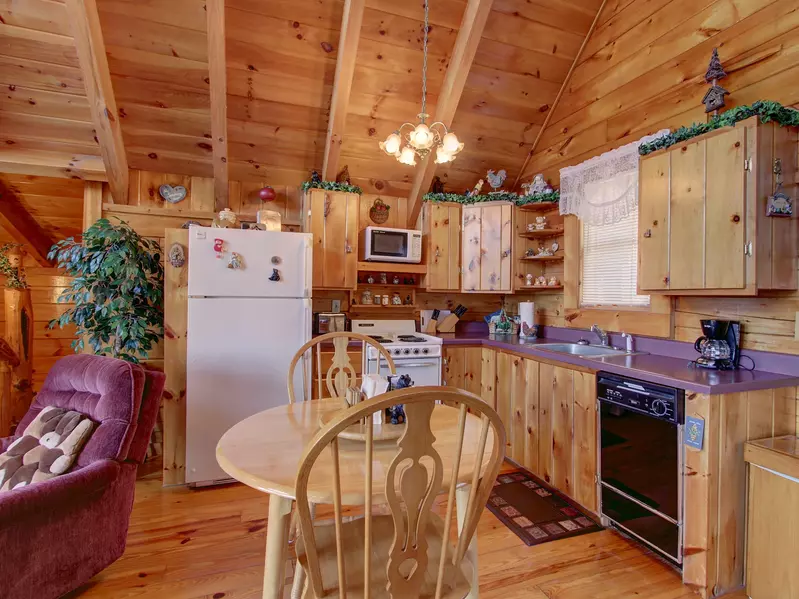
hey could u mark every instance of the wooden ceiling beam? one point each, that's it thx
(351, 22)
(46, 163)
(19, 223)
(460, 63)
(85, 23)
(217, 75)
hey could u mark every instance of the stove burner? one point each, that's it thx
(380, 339)
(410, 339)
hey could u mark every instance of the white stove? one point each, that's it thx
(416, 354)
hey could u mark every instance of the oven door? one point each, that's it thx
(388, 245)
(423, 371)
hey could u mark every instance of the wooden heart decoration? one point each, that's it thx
(171, 194)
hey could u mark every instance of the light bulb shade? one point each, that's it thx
(421, 137)
(451, 143)
(407, 156)
(443, 156)
(391, 145)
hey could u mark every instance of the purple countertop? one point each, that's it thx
(675, 370)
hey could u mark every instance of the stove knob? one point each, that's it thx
(425, 351)
(396, 352)
(406, 351)
(659, 408)
(416, 351)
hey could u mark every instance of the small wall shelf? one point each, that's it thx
(537, 288)
(363, 307)
(394, 267)
(540, 206)
(541, 258)
(541, 233)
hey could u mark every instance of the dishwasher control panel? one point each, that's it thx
(659, 401)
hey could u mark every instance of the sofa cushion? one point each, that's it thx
(46, 449)
(107, 390)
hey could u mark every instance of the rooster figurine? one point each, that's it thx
(495, 180)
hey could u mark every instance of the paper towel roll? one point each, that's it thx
(527, 316)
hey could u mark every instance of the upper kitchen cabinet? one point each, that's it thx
(704, 227)
(332, 218)
(487, 242)
(442, 231)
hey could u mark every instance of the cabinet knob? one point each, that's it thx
(736, 218)
(648, 233)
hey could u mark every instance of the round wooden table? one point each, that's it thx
(264, 452)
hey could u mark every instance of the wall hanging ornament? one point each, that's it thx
(236, 261)
(177, 255)
(267, 194)
(378, 213)
(779, 204)
(714, 98)
(423, 139)
(172, 194)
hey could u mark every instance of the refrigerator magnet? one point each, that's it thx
(219, 247)
(275, 276)
(236, 261)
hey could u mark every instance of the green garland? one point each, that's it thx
(519, 200)
(766, 110)
(331, 186)
(15, 277)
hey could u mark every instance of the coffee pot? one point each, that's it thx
(720, 345)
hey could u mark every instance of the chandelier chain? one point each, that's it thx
(424, 62)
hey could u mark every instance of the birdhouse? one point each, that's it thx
(714, 98)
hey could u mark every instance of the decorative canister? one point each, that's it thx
(366, 297)
(385, 300)
(377, 299)
(396, 299)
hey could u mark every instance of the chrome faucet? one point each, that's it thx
(603, 336)
(629, 339)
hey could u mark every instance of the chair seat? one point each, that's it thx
(456, 580)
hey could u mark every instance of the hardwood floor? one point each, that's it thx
(209, 543)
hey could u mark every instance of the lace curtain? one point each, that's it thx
(603, 189)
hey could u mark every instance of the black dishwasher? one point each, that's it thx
(641, 460)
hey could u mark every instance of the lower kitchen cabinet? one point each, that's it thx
(549, 413)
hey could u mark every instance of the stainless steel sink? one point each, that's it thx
(575, 349)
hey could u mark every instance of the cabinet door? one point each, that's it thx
(473, 369)
(555, 421)
(585, 440)
(687, 236)
(334, 225)
(653, 223)
(725, 231)
(532, 430)
(444, 247)
(495, 239)
(471, 255)
(516, 389)
(488, 377)
(504, 397)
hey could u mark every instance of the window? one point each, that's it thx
(609, 263)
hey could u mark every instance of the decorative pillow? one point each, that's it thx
(47, 448)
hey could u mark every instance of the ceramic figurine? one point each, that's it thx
(370, 279)
(177, 255)
(383, 278)
(226, 219)
(236, 261)
(529, 253)
(437, 185)
(554, 247)
(408, 300)
(396, 280)
(366, 297)
(219, 247)
(396, 300)
(540, 223)
(315, 178)
(275, 276)
(495, 180)
(477, 188)
(553, 282)
(541, 281)
(542, 252)
(396, 414)
(530, 227)
(528, 280)
(343, 175)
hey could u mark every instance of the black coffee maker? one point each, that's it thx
(721, 345)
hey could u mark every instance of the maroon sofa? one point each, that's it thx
(55, 535)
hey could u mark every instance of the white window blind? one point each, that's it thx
(609, 264)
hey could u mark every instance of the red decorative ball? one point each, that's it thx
(267, 194)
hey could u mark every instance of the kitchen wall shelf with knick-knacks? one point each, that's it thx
(541, 233)
(362, 307)
(393, 267)
(542, 258)
(539, 206)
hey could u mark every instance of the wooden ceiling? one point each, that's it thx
(281, 58)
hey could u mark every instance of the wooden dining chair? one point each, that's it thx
(341, 373)
(408, 553)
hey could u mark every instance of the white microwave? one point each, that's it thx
(391, 245)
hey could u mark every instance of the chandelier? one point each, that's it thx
(422, 139)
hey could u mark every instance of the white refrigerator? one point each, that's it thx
(244, 326)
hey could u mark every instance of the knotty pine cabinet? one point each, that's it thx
(702, 226)
(487, 248)
(549, 413)
(332, 219)
(441, 228)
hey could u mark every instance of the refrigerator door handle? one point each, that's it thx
(308, 266)
(307, 364)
